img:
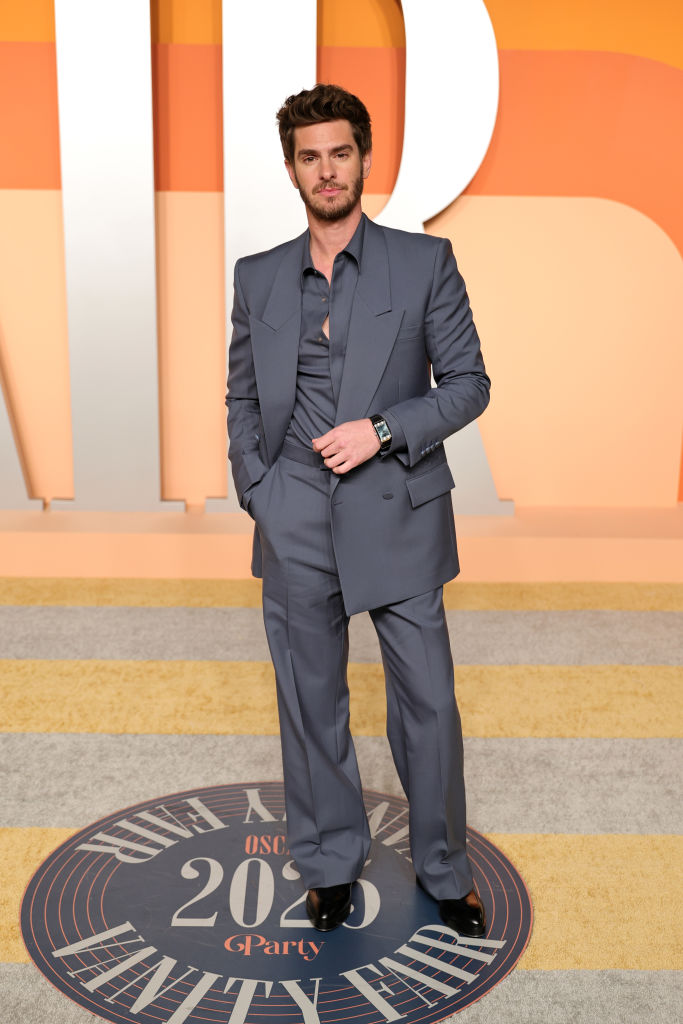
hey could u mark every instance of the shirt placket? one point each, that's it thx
(324, 292)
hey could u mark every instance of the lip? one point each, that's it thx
(329, 191)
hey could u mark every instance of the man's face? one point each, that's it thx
(327, 169)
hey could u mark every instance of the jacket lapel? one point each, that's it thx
(372, 329)
(275, 346)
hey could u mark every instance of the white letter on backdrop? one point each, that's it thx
(451, 105)
(104, 81)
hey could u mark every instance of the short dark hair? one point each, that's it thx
(319, 104)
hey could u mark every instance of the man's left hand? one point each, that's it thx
(348, 445)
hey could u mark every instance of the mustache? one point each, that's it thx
(327, 184)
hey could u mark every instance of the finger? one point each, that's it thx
(330, 449)
(335, 459)
(321, 442)
(344, 467)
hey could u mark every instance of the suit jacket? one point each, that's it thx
(392, 517)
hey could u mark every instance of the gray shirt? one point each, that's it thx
(321, 356)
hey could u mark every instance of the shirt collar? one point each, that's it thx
(354, 248)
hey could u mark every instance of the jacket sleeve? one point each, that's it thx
(462, 386)
(244, 414)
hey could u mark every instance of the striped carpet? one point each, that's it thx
(117, 691)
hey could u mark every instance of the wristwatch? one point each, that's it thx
(382, 430)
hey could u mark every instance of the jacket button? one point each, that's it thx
(388, 495)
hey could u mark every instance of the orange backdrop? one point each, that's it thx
(570, 237)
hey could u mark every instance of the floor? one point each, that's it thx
(116, 691)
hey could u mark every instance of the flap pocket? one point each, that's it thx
(429, 485)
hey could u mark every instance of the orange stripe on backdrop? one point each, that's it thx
(583, 293)
(29, 126)
(589, 124)
(191, 323)
(32, 21)
(34, 354)
(653, 29)
(378, 76)
(188, 132)
(361, 23)
(186, 21)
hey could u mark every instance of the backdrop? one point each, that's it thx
(569, 235)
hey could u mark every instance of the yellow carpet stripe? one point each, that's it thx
(247, 594)
(601, 902)
(22, 850)
(214, 697)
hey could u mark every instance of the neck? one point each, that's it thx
(329, 237)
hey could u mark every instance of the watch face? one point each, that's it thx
(383, 432)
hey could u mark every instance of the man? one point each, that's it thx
(336, 450)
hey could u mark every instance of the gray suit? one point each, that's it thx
(379, 538)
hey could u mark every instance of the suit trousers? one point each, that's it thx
(307, 629)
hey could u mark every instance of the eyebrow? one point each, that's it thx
(316, 152)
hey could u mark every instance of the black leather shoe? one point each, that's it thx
(328, 906)
(466, 918)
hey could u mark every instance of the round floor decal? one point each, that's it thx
(189, 908)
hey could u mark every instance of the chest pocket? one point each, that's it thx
(410, 332)
(430, 485)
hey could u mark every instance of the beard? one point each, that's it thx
(340, 207)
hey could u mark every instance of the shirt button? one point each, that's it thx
(323, 300)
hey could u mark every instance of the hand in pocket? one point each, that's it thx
(258, 499)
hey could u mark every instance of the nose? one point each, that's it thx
(326, 168)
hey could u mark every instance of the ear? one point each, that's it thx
(367, 163)
(292, 176)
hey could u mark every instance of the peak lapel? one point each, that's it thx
(372, 329)
(275, 346)
(285, 295)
